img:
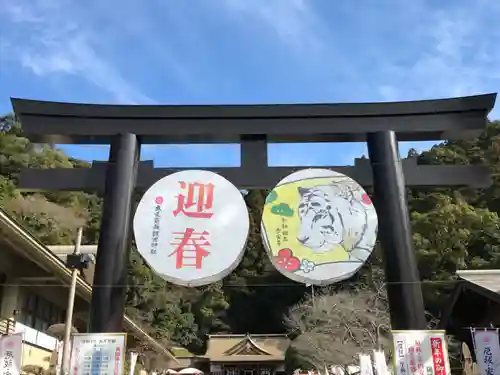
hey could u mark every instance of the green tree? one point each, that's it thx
(457, 228)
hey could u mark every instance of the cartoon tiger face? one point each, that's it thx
(321, 225)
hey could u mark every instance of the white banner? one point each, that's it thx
(11, 349)
(59, 348)
(133, 361)
(98, 353)
(365, 365)
(487, 349)
(379, 363)
(420, 353)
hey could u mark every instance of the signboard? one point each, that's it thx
(318, 226)
(98, 354)
(11, 348)
(191, 227)
(420, 353)
(487, 347)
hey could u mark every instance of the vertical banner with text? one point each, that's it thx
(420, 353)
(487, 347)
(11, 348)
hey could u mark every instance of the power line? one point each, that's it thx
(297, 285)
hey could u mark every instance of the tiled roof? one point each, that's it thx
(237, 348)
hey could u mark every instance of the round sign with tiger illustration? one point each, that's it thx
(319, 226)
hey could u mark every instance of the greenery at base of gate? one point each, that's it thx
(453, 229)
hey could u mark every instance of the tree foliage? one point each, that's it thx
(457, 228)
(53, 223)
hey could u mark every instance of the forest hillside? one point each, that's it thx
(453, 229)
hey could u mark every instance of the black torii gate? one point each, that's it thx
(381, 125)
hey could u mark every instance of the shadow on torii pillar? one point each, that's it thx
(381, 125)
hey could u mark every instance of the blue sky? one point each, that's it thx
(247, 51)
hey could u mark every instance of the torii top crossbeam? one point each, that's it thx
(54, 122)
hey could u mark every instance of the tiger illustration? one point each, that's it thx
(330, 216)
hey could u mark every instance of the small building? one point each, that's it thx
(474, 303)
(230, 354)
(33, 296)
(248, 354)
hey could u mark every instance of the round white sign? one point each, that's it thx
(318, 226)
(191, 227)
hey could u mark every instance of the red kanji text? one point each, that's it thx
(198, 202)
(191, 248)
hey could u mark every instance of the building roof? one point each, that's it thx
(181, 352)
(484, 283)
(41, 255)
(247, 348)
(488, 280)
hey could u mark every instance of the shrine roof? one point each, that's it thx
(247, 348)
(56, 122)
(483, 283)
(487, 280)
(181, 352)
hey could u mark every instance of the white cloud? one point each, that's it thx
(19, 14)
(391, 50)
(456, 53)
(294, 22)
(388, 50)
(59, 43)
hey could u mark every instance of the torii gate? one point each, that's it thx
(127, 127)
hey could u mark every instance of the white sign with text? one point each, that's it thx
(421, 353)
(98, 354)
(191, 227)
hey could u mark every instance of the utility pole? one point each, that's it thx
(69, 310)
